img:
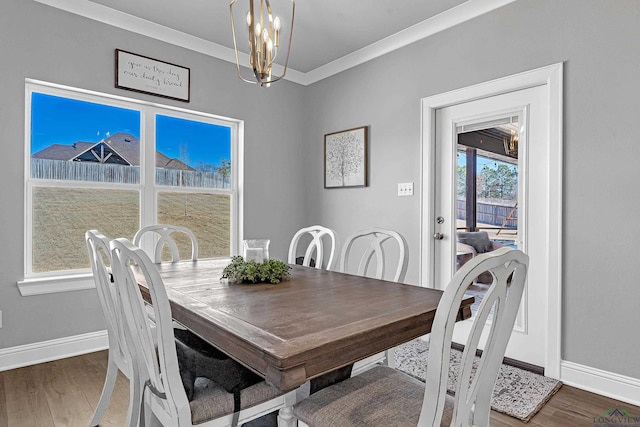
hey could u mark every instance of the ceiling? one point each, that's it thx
(329, 36)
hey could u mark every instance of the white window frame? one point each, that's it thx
(71, 280)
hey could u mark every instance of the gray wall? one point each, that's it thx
(596, 40)
(40, 42)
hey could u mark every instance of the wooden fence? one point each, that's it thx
(120, 174)
(184, 178)
(84, 171)
(490, 213)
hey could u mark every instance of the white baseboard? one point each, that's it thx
(46, 351)
(615, 386)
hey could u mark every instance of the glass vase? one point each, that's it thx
(256, 250)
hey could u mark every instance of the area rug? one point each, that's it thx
(518, 393)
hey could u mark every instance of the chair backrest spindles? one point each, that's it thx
(375, 238)
(99, 254)
(163, 233)
(317, 233)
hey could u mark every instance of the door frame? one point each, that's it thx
(552, 77)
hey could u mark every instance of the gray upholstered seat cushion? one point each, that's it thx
(210, 400)
(479, 240)
(381, 396)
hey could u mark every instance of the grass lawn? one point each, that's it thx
(61, 216)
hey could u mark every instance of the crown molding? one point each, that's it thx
(447, 19)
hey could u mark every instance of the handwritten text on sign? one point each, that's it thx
(148, 75)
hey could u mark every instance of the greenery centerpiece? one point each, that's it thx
(270, 271)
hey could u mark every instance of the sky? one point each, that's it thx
(57, 120)
(204, 142)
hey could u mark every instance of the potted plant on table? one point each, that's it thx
(269, 271)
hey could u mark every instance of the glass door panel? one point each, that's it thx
(486, 191)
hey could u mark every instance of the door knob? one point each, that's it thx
(438, 236)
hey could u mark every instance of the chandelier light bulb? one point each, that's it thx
(276, 24)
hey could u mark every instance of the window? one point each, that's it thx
(116, 164)
(192, 154)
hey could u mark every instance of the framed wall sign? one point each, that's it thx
(146, 75)
(345, 158)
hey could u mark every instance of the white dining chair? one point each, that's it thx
(316, 247)
(367, 248)
(119, 358)
(385, 396)
(163, 390)
(163, 235)
(372, 247)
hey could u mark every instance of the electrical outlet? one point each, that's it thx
(405, 189)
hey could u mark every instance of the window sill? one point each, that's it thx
(50, 285)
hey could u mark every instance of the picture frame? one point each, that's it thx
(346, 158)
(142, 74)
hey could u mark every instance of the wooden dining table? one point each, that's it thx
(307, 326)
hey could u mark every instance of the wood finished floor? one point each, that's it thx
(63, 393)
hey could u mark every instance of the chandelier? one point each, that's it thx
(511, 145)
(264, 31)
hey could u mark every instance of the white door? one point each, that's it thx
(526, 112)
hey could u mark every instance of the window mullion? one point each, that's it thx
(237, 182)
(149, 196)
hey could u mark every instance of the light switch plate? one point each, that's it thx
(405, 189)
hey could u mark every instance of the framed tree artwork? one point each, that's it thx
(345, 158)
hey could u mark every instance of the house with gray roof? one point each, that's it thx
(120, 148)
